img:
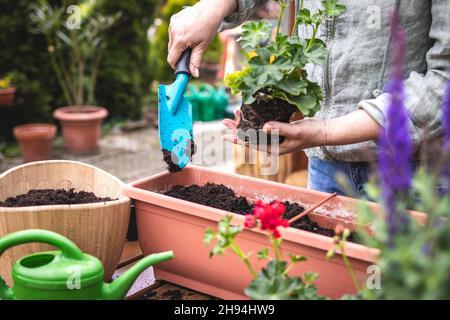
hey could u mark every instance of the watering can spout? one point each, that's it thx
(119, 287)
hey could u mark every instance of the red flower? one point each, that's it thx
(250, 221)
(271, 216)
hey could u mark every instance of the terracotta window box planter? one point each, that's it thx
(166, 223)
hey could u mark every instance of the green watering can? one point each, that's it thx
(68, 274)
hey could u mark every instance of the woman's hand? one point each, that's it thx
(354, 127)
(298, 135)
(195, 27)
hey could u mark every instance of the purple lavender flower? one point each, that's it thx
(395, 145)
(446, 116)
(445, 176)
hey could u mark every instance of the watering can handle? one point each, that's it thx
(183, 63)
(68, 248)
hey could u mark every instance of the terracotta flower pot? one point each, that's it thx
(168, 223)
(7, 96)
(98, 229)
(81, 127)
(35, 140)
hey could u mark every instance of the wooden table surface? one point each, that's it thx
(159, 290)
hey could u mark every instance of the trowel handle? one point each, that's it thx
(183, 63)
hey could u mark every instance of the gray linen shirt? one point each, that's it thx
(358, 63)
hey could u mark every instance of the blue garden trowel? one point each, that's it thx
(175, 118)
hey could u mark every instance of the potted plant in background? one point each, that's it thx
(275, 84)
(75, 53)
(7, 92)
(35, 140)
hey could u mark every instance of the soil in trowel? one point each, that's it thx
(261, 111)
(42, 197)
(221, 197)
(168, 157)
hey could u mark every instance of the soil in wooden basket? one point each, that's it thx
(261, 111)
(42, 197)
(221, 197)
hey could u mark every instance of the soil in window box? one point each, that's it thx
(43, 197)
(221, 197)
(261, 111)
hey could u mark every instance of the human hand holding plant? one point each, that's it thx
(298, 135)
(274, 84)
(272, 282)
(354, 127)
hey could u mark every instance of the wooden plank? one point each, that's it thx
(131, 253)
(145, 287)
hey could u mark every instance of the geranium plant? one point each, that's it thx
(272, 282)
(274, 82)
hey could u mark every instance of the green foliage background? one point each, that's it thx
(158, 47)
(124, 74)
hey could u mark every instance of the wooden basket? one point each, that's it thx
(98, 229)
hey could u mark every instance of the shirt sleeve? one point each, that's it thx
(245, 9)
(424, 93)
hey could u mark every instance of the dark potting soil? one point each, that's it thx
(173, 294)
(304, 223)
(171, 166)
(213, 195)
(168, 157)
(262, 110)
(221, 197)
(43, 197)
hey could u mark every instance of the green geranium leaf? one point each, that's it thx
(293, 87)
(317, 18)
(224, 236)
(235, 80)
(209, 236)
(307, 102)
(255, 34)
(272, 284)
(297, 258)
(304, 16)
(310, 277)
(317, 52)
(263, 253)
(333, 8)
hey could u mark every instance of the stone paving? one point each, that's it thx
(134, 155)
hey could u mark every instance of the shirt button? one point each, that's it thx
(376, 92)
